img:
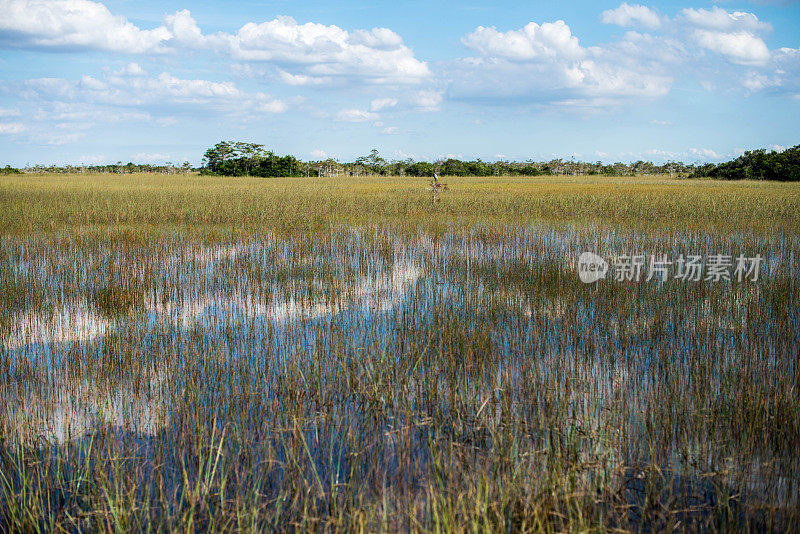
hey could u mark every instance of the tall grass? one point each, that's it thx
(36, 203)
(385, 371)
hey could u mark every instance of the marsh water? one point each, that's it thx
(368, 359)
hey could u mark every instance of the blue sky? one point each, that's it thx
(124, 80)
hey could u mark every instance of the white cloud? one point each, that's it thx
(82, 112)
(550, 40)
(61, 111)
(5, 112)
(720, 20)
(390, 130)
(661, 122)
(159, 90)
(741, 47)
(704, 154)
(273, 106)
(315, 50)
(756, 82)
(319, 154)
(781, 75)
(8, 128)
(382, 103)
(301, 79)
(428, 100)
(184, 30)
(305, 53)
(546, 64)
(355, 115)
(69, 24)
(632, 16)
(131, 69)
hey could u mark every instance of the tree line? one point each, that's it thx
(756, 165)
(233, 158)
(111, 168)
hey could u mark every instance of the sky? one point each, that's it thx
(85, 82)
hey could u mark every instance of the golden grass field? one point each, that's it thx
(36, 203)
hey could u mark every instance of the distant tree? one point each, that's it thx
(248, 159)
(756, 165)
(420, 168)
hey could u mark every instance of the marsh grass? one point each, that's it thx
(115, 301)
(389, 371)
(222, 206)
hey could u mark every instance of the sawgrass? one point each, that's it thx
(498, 394)
(36, 203)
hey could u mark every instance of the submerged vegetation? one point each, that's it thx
(195, 353)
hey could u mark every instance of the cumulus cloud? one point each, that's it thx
(741, 47)
(305, 53)
(632, 16)
(781, 75)
(317, 51)
(546, 64)
(550, 40)
(722, 20)
(184, 30)
(538, 63)
(74, 24)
